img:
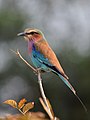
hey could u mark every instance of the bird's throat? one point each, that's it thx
(30, 46)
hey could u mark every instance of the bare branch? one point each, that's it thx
(41, 88)
(18, 54)
(43, 101)
(46, 109)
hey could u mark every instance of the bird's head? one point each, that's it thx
(32, 34)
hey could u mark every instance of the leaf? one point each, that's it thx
(21, 103)
(27, 107)
(11, 102)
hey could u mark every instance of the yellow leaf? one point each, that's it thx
(21, 103)
(11, 102)
(27, 107)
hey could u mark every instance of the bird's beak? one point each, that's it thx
(21, 34)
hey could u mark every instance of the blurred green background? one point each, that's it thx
(66, 25)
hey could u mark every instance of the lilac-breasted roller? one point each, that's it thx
(43, 57)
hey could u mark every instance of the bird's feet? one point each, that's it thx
(37, 70)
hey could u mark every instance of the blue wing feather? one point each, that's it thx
(38, 59)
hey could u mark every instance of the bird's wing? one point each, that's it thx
(44, 48)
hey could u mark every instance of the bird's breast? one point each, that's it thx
(31, 47)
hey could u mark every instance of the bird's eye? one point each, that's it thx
(31, 33)
(34, 33)
(27, 33)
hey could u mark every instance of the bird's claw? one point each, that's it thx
(37, 70)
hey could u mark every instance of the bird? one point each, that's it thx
(44, 58)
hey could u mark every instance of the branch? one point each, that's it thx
(19, 55)
(41, 89)
(50, 113)
(45, 103)
(46, 109)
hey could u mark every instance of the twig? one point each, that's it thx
(18, 54)
(46, 109)
(44, 100)
(52, 117)
(41, 88)
(21, 111)
(45, 103)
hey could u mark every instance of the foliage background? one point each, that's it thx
(66, 25)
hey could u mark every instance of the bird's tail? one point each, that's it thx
(65, 80)
(73, 90)
(67, 83)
